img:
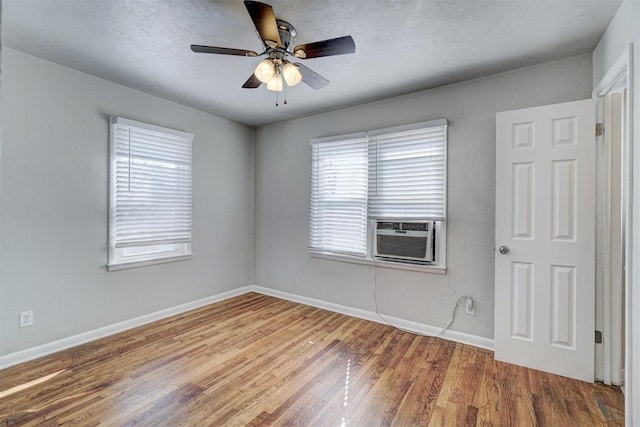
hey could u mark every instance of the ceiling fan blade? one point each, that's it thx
(311, 78)
(265, 21)
(222, 50)
(337, 46)
(252, 82)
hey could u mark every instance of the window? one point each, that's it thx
(407, 173)
(150, 194)
(401, 177)
(339, 195)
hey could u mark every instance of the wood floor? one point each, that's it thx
(257, 360)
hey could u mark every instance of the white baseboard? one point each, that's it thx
(415, 327)
(72, 341)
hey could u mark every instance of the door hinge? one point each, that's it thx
(599, 129)
(598, 337)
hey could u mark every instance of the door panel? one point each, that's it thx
(545, 216)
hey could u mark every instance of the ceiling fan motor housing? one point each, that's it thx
(287, 34)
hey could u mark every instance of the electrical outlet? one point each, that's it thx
(26, 318)
(469, 307)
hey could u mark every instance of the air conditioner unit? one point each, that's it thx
(405, 241)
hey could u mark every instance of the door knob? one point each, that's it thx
(504, 250)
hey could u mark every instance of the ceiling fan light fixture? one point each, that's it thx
(278, 38)
(275, 84)
(291, 74)
(265, 71)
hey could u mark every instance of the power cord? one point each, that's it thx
(387, 322)
(375, 300)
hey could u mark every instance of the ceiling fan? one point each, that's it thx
(277, 36)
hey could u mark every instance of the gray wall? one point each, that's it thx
(54, 205)
(53, 190)
(282, 196)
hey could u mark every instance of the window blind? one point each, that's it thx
(151, 200)
(407, 172)
(338, 217)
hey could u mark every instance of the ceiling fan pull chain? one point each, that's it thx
(284, 86)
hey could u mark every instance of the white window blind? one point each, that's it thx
(338, 217)
(407, 172)
(150, 198)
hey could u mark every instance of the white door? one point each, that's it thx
(545, 238)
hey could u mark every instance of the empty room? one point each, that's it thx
(345, 213)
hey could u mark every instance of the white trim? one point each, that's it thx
(136, 264)
(632, 288)
(161, 129)
(433, 269)
(418, 328)
(619, 77)
(410, 127)
(75, 340)
(336, 138)
(612, 199)
(602, 225)
(374, 132)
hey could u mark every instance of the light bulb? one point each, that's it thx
(275, 84)
(291, 74)
(265, 71)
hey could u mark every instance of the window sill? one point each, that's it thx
(145, 263)
(432, 269)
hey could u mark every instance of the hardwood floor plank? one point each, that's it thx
(421, 406)
(258, 360)
(460, 384)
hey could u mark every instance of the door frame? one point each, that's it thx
(612, 217)
(618, 78)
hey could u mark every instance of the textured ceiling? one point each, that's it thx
(401, 45)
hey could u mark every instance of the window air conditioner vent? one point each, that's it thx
(405, 241)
